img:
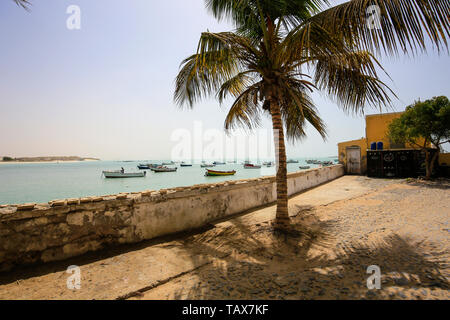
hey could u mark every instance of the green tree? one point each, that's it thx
(8, 159)
(282, 50)
(427, 122)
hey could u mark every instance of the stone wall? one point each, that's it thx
(62, 229)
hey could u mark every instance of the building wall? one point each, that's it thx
(377, 128)
(444, 159)
(342, 149)
(66, 228)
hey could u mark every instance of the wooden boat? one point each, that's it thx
(251, 166)
(305, 167)
(214, 173)
(143, 167)
(168, 163)
(150, 165)
(292, 161)
(207, 165)
(185, 165)
(269, 164)
(120, 174)
(218, 163)
(164, 169)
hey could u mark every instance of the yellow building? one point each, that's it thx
(353, 154)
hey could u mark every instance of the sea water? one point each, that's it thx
(43, 182)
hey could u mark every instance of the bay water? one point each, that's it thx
(43, 182)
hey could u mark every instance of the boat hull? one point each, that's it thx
(161, 170)
(213, 173)
(120, 175)
(251, 167)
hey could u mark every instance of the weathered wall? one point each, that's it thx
(67, 228)
(362, 144)
(444, 159)
(377, 128)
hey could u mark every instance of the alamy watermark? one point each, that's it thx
(374, 281)
(73, 22)
(74, 281)
(214, 144)
(373, 15)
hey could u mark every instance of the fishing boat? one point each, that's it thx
(168, 163)
(164, 169)
(121, 174)
(305, 167)
(185, 164)
(269, 164)
(150, 165)
(251, 166)
(291, 161)
(214, 173)
(207, 165)
(143, 167)
(218, 163)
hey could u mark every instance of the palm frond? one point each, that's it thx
(236, 85)
(352, 80)
(310, 40)
(404, 24)
(297, 109)
(220, 57)
(23, 3)
(247, 15)
(240, 11)
(245, 111)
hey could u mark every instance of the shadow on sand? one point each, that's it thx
(263, 265)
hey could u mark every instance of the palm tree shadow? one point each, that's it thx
(253, 254)
(439, 183)
(257, 264)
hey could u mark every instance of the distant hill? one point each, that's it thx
(46, 159)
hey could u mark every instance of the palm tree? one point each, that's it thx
(282, 50)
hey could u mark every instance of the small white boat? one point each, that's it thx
(120, 174)
(164, 169)
(207, 165)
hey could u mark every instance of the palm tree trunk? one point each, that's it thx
(282, 221)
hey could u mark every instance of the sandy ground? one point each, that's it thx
(343, 227)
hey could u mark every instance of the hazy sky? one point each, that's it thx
(106, 90)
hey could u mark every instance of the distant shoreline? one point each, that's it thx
(49, 160)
